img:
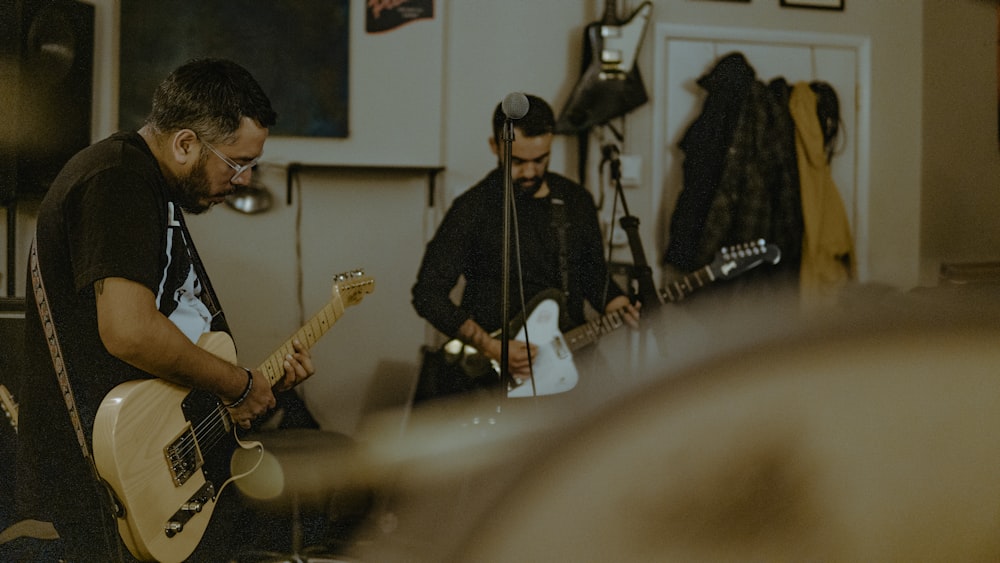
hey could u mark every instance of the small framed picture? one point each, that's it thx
(817, 4)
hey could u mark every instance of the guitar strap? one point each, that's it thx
(55, 351)
(112, 506)
(559, 223)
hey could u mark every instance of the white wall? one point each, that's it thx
(960, 194)
(490, 48)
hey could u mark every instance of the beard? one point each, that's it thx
(524, 187)
(194, 189)
(528, 188)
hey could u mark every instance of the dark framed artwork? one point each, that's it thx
(296, 49)
(816, 4)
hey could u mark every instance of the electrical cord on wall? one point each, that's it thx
(294, 183)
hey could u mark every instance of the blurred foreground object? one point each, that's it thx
(871, 436)
(857, 445)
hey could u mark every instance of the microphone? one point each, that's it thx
(515, 105)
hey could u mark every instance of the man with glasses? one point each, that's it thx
(129, 297)
(469, 244)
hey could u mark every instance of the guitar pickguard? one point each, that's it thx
(553, 367)
(212, 457)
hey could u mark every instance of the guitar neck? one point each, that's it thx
(729, 262)
(679, 288)
(349, 289)
(591, 331)
(610, 13)
(308, 335)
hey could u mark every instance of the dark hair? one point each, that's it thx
(828, 113)
(210, 97)
(538, 121)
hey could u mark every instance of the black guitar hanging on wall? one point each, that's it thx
(610, 85)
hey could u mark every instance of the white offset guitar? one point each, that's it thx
(164, 449)
(553, 367)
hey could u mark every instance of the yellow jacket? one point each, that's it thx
(827, 248)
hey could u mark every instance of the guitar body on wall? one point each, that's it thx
(553, 366)
(610, 85)
(164, 449)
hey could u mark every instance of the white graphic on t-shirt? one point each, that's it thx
(181, 287)
(172, 220)
(191, 314)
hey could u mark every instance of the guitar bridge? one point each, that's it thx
(183, 456)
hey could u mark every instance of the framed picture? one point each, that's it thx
(817, 4)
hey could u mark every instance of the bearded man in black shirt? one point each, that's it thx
(469, 244)
(126, 298)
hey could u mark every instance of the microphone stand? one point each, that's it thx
(508, 189)
(641, 271)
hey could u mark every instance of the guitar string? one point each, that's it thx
(203, 435)
(205, 441)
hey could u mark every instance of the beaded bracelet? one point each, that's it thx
(246, 392)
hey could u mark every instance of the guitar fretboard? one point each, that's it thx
(589, 332)
(351, 289)
(679, 288)
(309, 334)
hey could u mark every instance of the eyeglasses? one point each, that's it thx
(238, 168)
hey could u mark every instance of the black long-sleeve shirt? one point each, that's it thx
(469, 243)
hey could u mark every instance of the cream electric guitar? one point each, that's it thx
(164, 449)
(553, 367)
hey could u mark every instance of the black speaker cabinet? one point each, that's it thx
(46, 82)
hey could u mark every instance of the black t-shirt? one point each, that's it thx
(108, 214)
(469, 243)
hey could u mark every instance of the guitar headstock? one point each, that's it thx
(352, 286)
(732, 261)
